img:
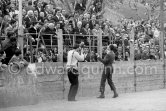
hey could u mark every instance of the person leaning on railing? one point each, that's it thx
(9, 45)
(18, 60)
(87, 55)
(49, 31)
(79, 31)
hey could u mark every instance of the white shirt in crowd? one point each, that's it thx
(12, 13)
(156, 33)
(73, 58)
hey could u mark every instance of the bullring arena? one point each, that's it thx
(43, 85)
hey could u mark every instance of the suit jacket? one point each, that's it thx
(87, 58)
(29, 21)
(108, 59)
(41, 19)
(57, 19)
(80, 31)
(80, 8)
(91, 24)
(34, 32)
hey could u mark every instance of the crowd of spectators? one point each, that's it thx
(42, 19)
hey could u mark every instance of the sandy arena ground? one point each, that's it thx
(141, 101)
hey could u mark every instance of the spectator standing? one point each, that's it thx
(9, 45)
(29, 7)
(80, 6)
(29, 19)
(80, 32)
(92, 22)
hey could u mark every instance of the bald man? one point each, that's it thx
(30, 19)
(80, 32)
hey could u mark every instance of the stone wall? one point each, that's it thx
(51, 82)
(17, 89)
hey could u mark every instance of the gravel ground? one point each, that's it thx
(141, 101)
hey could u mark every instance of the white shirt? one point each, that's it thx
(74, 58)
(156, 33)
(14, 12)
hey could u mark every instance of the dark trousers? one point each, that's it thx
(107, 75)
(73, 78)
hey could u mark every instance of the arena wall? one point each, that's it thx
(50, 82)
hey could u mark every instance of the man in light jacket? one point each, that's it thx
(72, 70)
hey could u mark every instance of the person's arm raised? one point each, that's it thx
(106, 59)
(79, 57)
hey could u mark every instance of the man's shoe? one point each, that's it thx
(115, 96)
(101, 96)
(73, 100)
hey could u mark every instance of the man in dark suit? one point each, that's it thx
(87, 55)
(93, 22)
(29, 19)
(58, 17)
(80, 32)
(80, 6)
(108, 71)
(9, 45)
(29, 7)
(49, 31)
(34, 32)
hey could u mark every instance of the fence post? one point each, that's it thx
(162, 35)
(132, 56)
(60, 45)
(31, 59)
(20, 30)
(100, 44)
(74, 39)
(51, 41)
(123, 47)
(132, 45)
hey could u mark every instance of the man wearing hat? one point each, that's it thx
(108, 71)
(72, 70)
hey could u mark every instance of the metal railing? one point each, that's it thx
(51, 41)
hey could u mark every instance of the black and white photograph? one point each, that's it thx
(82, 55)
